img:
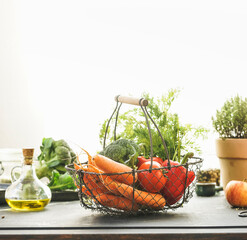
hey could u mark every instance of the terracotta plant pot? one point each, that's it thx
(232, 153)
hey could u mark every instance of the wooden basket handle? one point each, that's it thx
(131, 100)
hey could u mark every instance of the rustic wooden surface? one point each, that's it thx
(202, 217)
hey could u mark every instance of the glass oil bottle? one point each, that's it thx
(28, 193)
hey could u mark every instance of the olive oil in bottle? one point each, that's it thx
(26, 205)
(28, 193)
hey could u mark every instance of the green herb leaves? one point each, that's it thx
(179, 138)
(231, 120)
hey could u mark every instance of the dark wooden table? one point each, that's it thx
(202, 217)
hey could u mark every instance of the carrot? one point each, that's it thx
(88, 168)
(110, 200)
(93, 168)
(110, 184)
(77, 167)
(153, 200)
(106, 181)
(94, 184)
(85, 191)
(108, 165)
(89, 156)
(92, 181)
(119, 202)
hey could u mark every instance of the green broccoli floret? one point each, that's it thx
(42, 170)
(61, 143)
(115, 152)
(122, 150)
(63, 151)
(128, 145)
(55, 155)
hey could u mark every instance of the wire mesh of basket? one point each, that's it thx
(166, 187)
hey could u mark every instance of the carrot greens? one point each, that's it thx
(179, 138)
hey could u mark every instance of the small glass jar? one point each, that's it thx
(28, 193)
(9, 158)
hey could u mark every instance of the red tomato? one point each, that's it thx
(142, 160)
(152, 181)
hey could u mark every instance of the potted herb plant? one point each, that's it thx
(231, 146)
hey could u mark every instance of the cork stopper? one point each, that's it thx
(28, 155)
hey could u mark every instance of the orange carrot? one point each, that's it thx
(108, 165)
(92, 181)
(112, 201)
(89, 156)
(88, 168)
(85, 191)
(77, 167)
(110, 184)
(94, 184)
(93, 168)
(153, 200)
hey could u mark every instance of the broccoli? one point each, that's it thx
(42, 170)
(122, 150)
(55, 155)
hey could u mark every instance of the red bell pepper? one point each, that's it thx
(142, 160)
(152, 181)
(175, 185)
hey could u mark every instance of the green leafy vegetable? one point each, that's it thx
(61, 181)
(55, 155)
(42, 170)
(180, 139)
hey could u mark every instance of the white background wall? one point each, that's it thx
(62, 62)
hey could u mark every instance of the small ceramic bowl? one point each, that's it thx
(205, 189)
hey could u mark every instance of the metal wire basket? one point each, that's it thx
(109, 193)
